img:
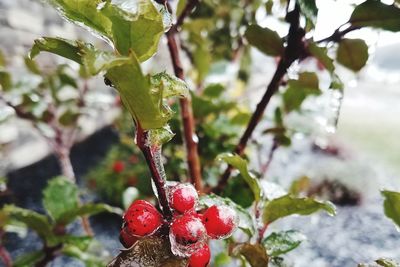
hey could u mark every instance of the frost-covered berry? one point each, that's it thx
(126, 238)
(142, 218)
(143, 202)
(187, 234)
(118, 166)
(219, 221)
(200, 258)
(183, 197)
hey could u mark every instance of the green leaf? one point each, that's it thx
(239, 191)
(145, 103)
(143, 96)
(309, 9)
(81, 242)
(289, 205)
(246, 223)
(221, 259)
(93, 60)
(372, 13)
(282, 242)
(265, 40)
(321, 54)
(169, 85)
(33, 220)
(29, 259)
(214, 90)
(88, 209)
(68, 118)
(32, 66)
(387, 263)
(5, 80)
(139, 32)
(298, 90)
(58, 46)
(254, 254)
(60, 196)
(392, 205)
(352, 53)
(150, 252)
(135, 26)
(89, 259)
(241, 164)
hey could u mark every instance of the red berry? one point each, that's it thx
(187, 229)
(126, 238)
(200, 258)
(142, 218)
(220, 221)
(183, 197)
(118, 166)
(142, 202)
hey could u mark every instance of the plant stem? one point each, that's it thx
(293, 51)
(50, 253)
(265, 166)
(63, 156)
(158, 178)
(190, 137)
(338, 35)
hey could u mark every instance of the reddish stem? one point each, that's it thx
(190, 137)
(261, 233)
(158, 179)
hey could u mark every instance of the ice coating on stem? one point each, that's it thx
(155, 151)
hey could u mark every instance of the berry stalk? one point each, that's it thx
(157, 175)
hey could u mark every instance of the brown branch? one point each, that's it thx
(293, 51)
(189, 133)
(158, 179)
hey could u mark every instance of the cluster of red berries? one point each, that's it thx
(189, 230)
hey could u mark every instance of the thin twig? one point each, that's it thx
(189, 133)
(271, 153)
(338, 35)
(293, 51)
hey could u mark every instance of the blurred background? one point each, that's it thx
(347, 147)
